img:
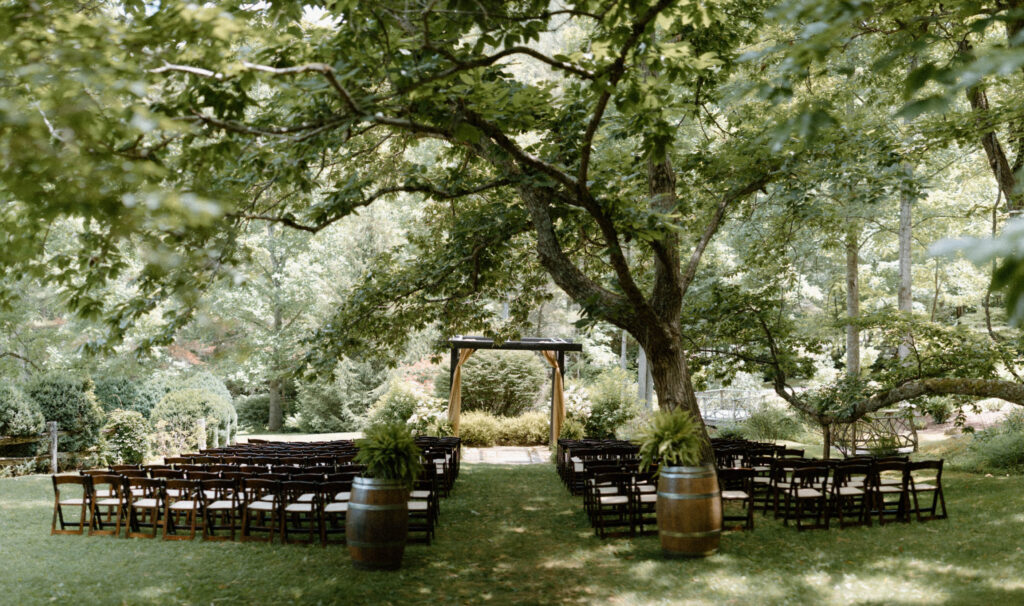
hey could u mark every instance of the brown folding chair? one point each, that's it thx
(107, 505)
(145, 498)
(78, 497)
(929, 481)
(182, 499)
(737, 486)
(300, 511)
(261, 505)
(220, 508)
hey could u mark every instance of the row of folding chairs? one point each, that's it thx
(856, 491)
(572, 455)
(257, 507)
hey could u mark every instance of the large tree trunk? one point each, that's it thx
(672, 381)
(276, 410)
(852, 301)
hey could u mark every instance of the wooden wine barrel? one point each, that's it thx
(377, 523)
(689, 510)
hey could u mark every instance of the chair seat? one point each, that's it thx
(734, 495)
(299, 508)
(108, 502)
(890, 489)
(146, 503)
(614, 500)
(173, 492)
(105, 492)
(919, 487)
(418, 505)
(307, 498)
(419, 494)
(335, 507)
(73, 501)
(262, 506)
(892, 481)
(221, 505)
(846, 491)
(783, 485)
(808, 493)
(649, 497)
(185, 505)
(342, 496)
(645, 488)
(607, 490)
(760, 480)
(761, 468)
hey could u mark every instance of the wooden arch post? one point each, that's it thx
(557, 347)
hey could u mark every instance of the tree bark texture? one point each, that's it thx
(852, 301)
(905, 296)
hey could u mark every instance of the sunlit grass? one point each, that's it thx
(513, 535)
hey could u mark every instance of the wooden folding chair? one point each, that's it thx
(261, 508)
(220, 508)
(928, 481)
(737, 486)
(183, 498)
(78, 497)
(145, 499)
(107, 505)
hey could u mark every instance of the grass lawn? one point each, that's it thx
(513, 535)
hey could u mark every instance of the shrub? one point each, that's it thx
(19, 416)
(396, 405)
(180, 410)
(127, 436)
(572, 430)
(205, 381)
(121, 393)
(430, 417)
(153, 389)
(771, 423)
(730, 432)
(478, 428)
(71, 403)
(503, 383)
(253, 412)
(612, 404)
(998, 448)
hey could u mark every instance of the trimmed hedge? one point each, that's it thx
(19, 416)
(478, 428)
(72, 404)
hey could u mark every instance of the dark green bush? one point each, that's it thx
(770, 423)
(19, 415)
(153, 389)
(121, 393)
(478, 428)
(253, 412)
(127, 436)
(613, 403)
(180, 410)
(503, 383)
(729, 432)
(72, 404)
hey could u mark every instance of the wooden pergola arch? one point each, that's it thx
(553, 351)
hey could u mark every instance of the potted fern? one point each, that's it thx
(689, 505)
(377, 524)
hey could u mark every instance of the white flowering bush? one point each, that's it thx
(430, 417)
(577, 403)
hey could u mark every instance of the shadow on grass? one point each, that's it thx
(513, 535)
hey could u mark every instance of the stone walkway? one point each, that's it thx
(507, 455)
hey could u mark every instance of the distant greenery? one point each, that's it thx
(998, 448)
(503, 383)
(19, 415)
(772, 423)
(121, 393)
(180, 410)
(613, 403)
(70, 402)
(127, 436)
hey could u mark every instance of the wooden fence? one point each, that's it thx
(51, 434)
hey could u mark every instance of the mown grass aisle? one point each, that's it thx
(513, 535)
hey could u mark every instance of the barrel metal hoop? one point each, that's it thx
(371, 507)
(377, 482)
(688, 472)
(690, 497)
(372, 544)
(691, 535)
